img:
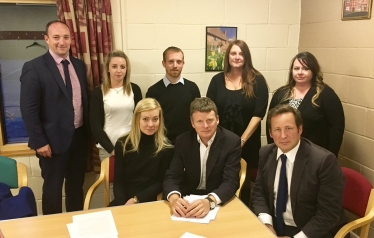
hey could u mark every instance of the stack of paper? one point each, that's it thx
(210, 216)
(93, 225)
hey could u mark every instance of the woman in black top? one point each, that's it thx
(320, 107)
(142, 156)
(241, 95)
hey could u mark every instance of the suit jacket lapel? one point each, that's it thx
(51, 65)
(298, 170)
(272, 167)
(214, 152)
(195, 159)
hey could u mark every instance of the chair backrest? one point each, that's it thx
(356, 192)
(12, 173)
(242, 175)
(111, 169)
(107, 168)
(104, 178)
(358, 198)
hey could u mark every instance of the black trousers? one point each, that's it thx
(69, 166)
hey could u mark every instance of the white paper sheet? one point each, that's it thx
(93, 225)
(190, 235)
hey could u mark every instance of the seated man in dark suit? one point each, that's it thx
(206, 161)
(299, 185)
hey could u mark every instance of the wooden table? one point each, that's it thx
(145, 220)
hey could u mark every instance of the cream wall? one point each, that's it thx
(345, 50)
(144, 29)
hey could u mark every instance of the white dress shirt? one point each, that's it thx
(167, 81)
(287, 215)
(204, 153)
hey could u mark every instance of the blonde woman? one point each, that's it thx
(142, 156)
(113, 103)
(320, 107)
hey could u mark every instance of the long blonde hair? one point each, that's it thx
(307, 60)
(249, 72)
(106, 85)
(133, 137)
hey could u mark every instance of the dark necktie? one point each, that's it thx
(282, 196)
(67, 78)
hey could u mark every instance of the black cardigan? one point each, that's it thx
(97, 119)
(323, 125)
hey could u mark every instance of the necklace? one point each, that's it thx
(234, 84)
(119, 89)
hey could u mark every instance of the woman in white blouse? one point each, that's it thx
(113, 103)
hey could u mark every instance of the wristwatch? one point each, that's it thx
(136, 199)
(212, 204)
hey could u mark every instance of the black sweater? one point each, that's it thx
(141, 173)
(175, 101)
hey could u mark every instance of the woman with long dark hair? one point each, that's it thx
(241, 95)
(320, 107)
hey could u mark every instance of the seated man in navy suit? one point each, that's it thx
(206, 161)
(299, 186)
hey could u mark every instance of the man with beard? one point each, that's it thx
(174, 93)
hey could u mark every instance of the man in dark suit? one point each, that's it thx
(206, 161)
(312, 202)
(54, 108)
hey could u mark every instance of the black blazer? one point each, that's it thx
(46, 109)
(316, 193)
(222, 168)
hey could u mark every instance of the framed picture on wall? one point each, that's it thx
(217, 40)
(356, 9)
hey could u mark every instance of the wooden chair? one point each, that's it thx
(358, 198)
(13, 173)
(106, 177)
(242, 175)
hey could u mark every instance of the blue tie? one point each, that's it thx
(69, 88)
(282, 196)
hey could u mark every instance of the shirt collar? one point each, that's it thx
(210, 141)
(167, 82)
(291, 155)
(58, 58)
